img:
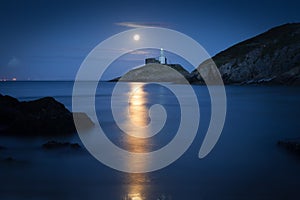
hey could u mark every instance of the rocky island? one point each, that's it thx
(156, 72)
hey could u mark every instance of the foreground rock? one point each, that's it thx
(59, 145)
(9, 159)
(272, 57)
(291, 145)
(44, 116)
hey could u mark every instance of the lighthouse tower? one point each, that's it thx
(162, 58)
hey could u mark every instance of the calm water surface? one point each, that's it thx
(245, 163)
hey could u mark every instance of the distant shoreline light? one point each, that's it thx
(7, 79)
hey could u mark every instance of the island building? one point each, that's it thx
(162, 59)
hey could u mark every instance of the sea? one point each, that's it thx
(245, 163)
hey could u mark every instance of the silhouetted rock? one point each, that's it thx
(58, 145)
(44, 116)
(9, 159)
(82, 121)
(292, 145)
(272, 57)
(75, 146)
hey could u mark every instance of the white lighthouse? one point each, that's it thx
(162, 58)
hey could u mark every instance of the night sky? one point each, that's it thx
(48, 40)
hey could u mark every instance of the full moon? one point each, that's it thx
(136, 37)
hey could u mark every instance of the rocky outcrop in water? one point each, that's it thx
(60, 145)
(293, 145)
(155, 72)
(44, 116)
(272, 57)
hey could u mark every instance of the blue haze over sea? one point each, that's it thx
(246, 163)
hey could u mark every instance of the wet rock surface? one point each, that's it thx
(292, 145)
(44, 116)
(58, 145)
